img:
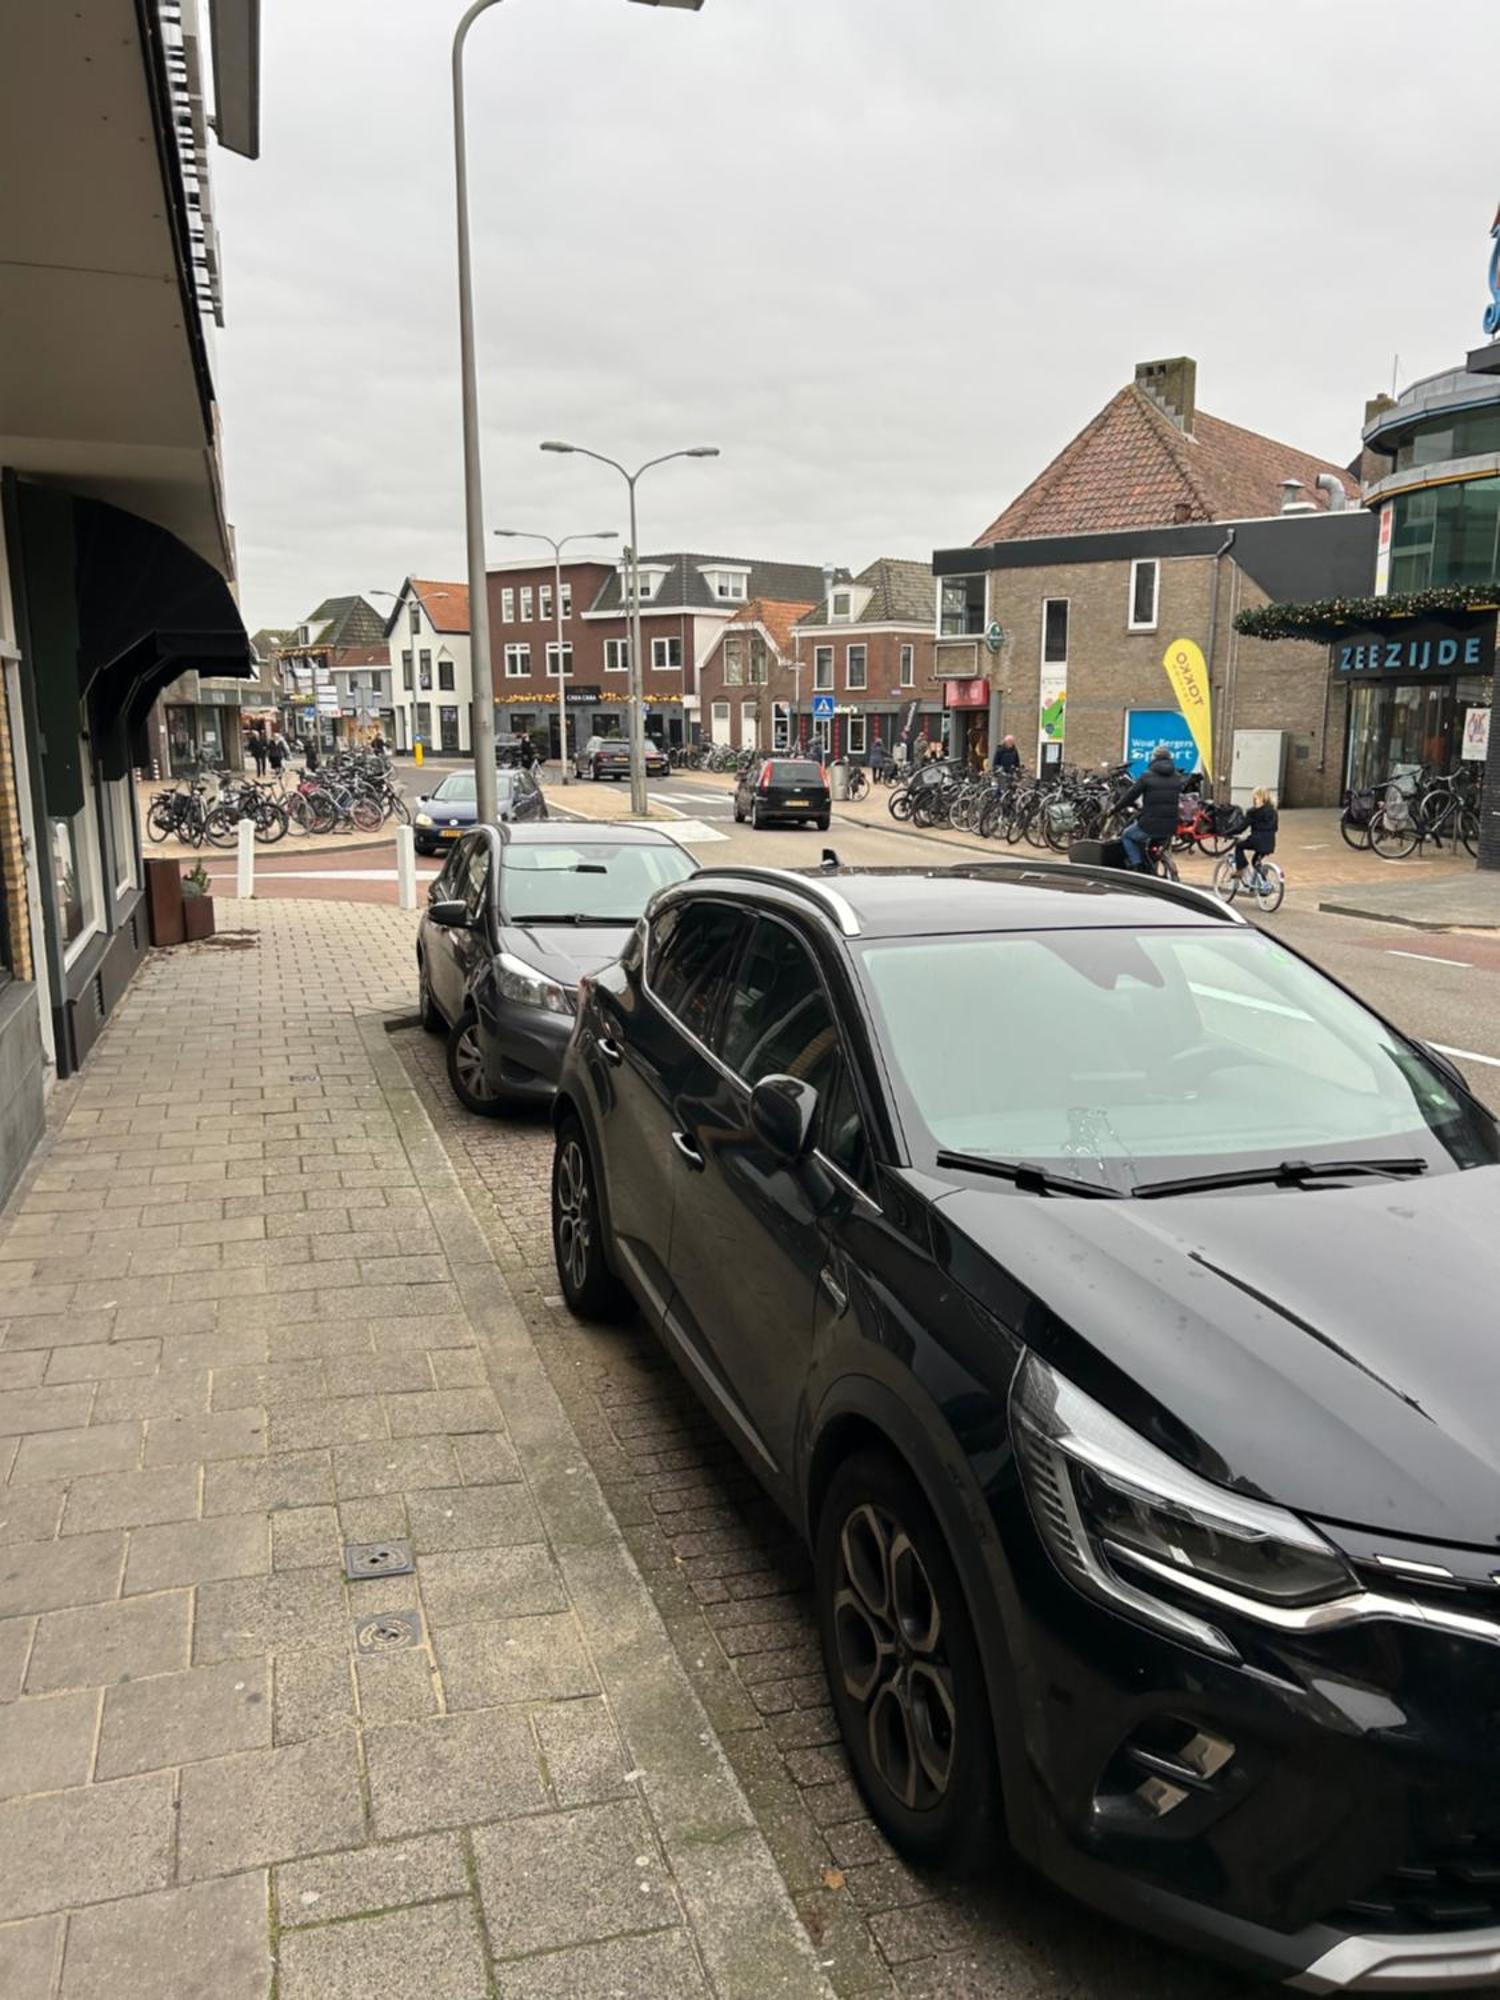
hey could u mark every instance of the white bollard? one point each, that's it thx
(244, 882)
(406, 868)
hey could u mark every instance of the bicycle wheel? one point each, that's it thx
(1468, 829)
(1392, 843)
(366, 815)
(1356, 832)
(161, 821)
(899, 804)
(859, 783)
(1268, 899)
(402, 811)
(221, 827)
(989, 819)
(323, 812)
(1226, 880)
(270, 822)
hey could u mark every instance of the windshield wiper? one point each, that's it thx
(1290, 1173)
(569, 917)
(1027, 1175)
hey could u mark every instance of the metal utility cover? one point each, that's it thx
(388, 1632)
(362, 1559)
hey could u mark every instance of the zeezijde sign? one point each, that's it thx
(1417, 648)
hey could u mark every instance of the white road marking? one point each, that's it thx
(334, 875)
(1467, 1055)
(692, 832)
(1429, 958)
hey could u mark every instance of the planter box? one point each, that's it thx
(197, 917)
(164, 902)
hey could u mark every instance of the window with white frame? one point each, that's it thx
(517, 663)
(75, 881)
(424, 671)
(565, 600)
(666, 655)
(720, 722)
(445, 674)
(822, 670)
(559, 659)
(1144, 581)
(407, 672)
(857, 667)
(908, 666)
(416, 618)
(841, 603)
(545, 595)
(617, 656)
(526, 602)
(727, 585)
(121, 834)
(857, 738)
(734, 662)
(647, 586)
(508, 607)
(1055, 631)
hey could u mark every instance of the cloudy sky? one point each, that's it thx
(888, 254)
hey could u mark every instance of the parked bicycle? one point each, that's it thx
(1420, 806)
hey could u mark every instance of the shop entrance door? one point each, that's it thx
(182, 739)
(1400, 725)
(448, 724)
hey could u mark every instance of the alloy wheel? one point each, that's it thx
(468, 1061)
(888, 1634)
(575, 1214)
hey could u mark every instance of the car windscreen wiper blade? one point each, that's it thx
(569, 917)
(1290, 1173)
(1028, 1176)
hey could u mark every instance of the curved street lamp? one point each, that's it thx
(557, 545)
(638, 802)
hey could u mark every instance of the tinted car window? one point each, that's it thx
(841, 1129)
(478, 877)
(453, 884)
(778, 1023)
(795, 771)
(692, 953)
(595, 881)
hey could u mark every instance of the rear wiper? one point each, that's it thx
(1290, 1173)
(1027, 1175)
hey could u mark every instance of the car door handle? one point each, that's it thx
(609, 1049)
(688, 1150)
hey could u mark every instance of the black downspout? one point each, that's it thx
(1213, 640)
(1489, 806)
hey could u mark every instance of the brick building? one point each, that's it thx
(749, 681)
(868, 642)
(686, 600)
(1157, 522)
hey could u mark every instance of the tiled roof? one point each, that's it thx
(272, 639)
(1133, 468)
(346, 621)
(900, 594)
(781, 583)
(446, 604)
(778, 619)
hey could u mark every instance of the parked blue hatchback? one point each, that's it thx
(449, 811)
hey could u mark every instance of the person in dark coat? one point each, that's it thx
(276, 751)
(1259, 837)
(310, 750)
(255, 743)
(1158, 793)
(1007, 758)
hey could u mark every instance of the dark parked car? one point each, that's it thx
(1129, 1358)
(450, 811)
(609, 757)
(519, 915)
(785, 789)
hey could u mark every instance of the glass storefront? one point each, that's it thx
(1401, 725)
(1446, 534)
(1460, 434)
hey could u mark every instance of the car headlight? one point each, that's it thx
(526, 987)
(424, 819)
(1128, 1524)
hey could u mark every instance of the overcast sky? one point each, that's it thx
(888, 254)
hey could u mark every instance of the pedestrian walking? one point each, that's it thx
(255, 742)
(310, 750)
(276, 752)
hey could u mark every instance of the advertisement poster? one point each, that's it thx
(1383, 552)
(1146, 727)
(1054, 705)
(1188, 673)
(1476, 734)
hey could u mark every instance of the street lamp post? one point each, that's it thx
(482, 725)
(638, 800)
(557, 546)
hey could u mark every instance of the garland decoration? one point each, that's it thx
(1328, 618)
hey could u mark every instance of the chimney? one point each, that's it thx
(1375, 464)
(1173, 387)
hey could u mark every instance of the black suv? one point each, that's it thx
(1110, 1297)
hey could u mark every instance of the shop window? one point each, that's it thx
(617, 656)
(1055, 631)
(822, 669)
(857, 739)
(74, 882)
(961, 606)
(1143, 587)
(1446, 534)
(908, 666)
(857, 664)
(448, 727)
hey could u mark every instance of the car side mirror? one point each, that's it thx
(782, 1111)
(449, 916)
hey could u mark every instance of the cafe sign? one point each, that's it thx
(1416, 649)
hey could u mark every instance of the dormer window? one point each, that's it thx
(841, 604)
(728, 586)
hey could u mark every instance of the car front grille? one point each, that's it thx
(1452, 1885)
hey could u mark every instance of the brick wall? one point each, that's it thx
(1283, 685)
(13, 906)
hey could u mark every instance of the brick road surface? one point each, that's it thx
(731, 1582)
(248, 1316)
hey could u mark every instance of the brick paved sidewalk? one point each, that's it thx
(247, 1317)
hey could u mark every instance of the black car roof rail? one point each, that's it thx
(1189, 894)
(832, 903)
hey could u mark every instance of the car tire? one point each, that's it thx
(823, 823)
(755, 819)
(903, 1665)
(464, 1072)
(427, 1009)
(589, 1287)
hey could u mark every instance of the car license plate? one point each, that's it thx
(796, 802)
(451, 832)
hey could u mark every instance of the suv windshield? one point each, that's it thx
(603, 882)
(1164, 1052)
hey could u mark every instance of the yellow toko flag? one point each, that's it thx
(1188, 673)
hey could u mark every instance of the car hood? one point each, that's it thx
(564, 952)
(447, 810)
(1337, 1350)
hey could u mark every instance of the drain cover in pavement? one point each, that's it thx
(388, 1632)
(363, 1559)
